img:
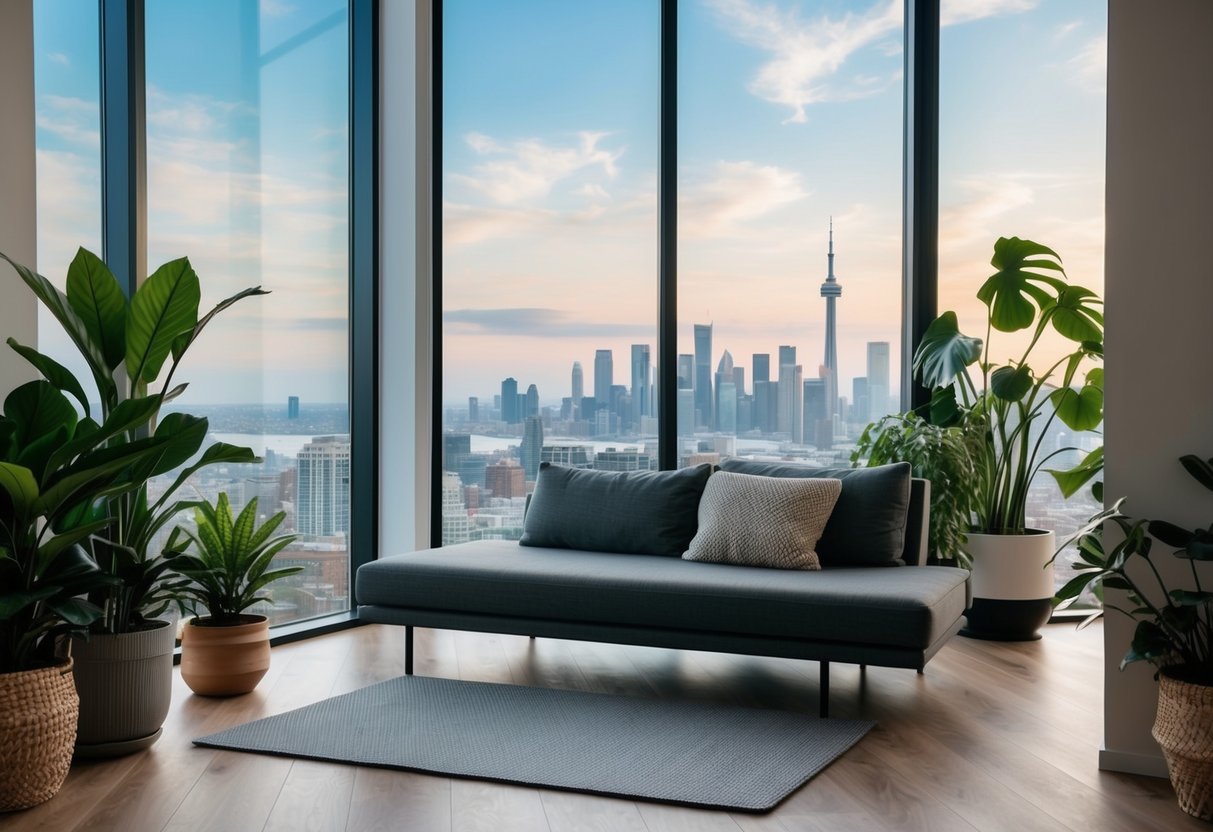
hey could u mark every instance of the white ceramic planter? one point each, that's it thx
(1012, 584)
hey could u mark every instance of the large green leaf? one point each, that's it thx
(59, 306)
(1018, 289)
(95, 295)
(20, 484)
(129, 415)
(1077, 316)
(37, 409)
(1080, 409)
(184, 434)
(1070, 481)
(164, 308)
(1011, 383)
(944, 352)
(183, 342)
(219, 452)
(1201, 470)
(53, 371)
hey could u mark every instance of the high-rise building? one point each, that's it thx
(797, 415)
(762, 410)
(578, 389)
(570, 456)
(509, 401)
(818, 427)
(505, 479)
(789, 391)
(473, 409)
(322, 498)
(629, 459)
(686, 411)
(703, 374)
(456, 527)
(878, 380)
(831, 291)
(642, 383)
(531, 451)
(859, 395)
(532, 402)
(604, 377)
(686, 371)
(762, 366)
(292, 407)
(725, 404)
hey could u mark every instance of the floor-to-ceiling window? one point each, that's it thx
(247, 174)
(549, 140)
(246, 112)
(789, 227)
(1022, 94)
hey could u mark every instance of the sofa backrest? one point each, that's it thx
(917, 523)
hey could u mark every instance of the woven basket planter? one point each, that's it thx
(1184, 730)
(38, 711)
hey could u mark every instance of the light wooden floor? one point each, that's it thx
(992, 737)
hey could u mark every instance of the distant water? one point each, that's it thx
(285, 444)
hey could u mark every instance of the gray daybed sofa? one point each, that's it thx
(863, 606)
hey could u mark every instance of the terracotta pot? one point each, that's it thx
(1184, 730)
(1012, 585)
(125, 682)
(225, 660)
(38, 711)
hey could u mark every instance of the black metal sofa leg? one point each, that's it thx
(408, 649)
(825, 690)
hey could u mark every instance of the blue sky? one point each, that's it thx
(790, 113)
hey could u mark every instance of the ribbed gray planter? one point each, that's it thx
(125, 684)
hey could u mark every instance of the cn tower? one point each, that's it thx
(831, 291)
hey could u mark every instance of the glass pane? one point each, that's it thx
(247, 175)
(1022, 131)
(550, 149)
(789, 132)
(67, 135)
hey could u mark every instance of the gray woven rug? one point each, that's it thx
(682, 752)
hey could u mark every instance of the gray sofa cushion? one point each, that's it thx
(631, 512)
(868, 525)
(910, 608)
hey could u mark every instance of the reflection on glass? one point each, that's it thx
(550, 140)
(247, 175)
(1022, 97)
(789, 233)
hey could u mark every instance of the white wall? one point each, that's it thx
(18, 229)
(1159, 306)
(404, 274)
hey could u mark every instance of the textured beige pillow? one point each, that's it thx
(749, 520)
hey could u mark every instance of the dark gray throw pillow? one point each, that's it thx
(868, 524)
(633, 512)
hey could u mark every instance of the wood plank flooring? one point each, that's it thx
(992, 737)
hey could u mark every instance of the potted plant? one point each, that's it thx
(943, 455)
(124, 673)
(1011, 406)
(227, 651)
(1174, 629)
(53, 467)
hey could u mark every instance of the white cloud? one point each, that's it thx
(1090, 65)
(805, 55)
(962, 11)
(75, 120)
(979, 217)
(734, 194)
(528, 170)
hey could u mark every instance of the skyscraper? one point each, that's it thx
(725, 404)
(292, 407)
(532, 402)
(578, 388)
(878, 379)
(788, 393)
(473, 409)
(322, 507)
(531, 451)
(642, 382)
(509, 401)
(831, 291)
(686, 373)
(604, 377)
(703, 374)
(762, 367)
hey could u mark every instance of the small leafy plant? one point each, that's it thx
(1174, 626)
(943, 455)
(228, 565)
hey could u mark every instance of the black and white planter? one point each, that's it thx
(1012, 584)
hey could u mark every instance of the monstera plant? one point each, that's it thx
(1012, 405)
(132, 348)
